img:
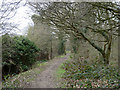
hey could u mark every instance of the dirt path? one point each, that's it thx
(46, 79)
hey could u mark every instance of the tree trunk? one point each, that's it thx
(106, 60)
(106, 56)
(51, 51)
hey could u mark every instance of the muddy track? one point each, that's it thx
(46, 78)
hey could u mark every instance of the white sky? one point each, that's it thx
(23, 18)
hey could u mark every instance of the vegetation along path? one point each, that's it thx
(46, 79)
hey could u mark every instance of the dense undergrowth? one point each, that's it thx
(23, 79)
(82, 74)
(18, 55)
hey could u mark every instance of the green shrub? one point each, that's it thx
(18, 54)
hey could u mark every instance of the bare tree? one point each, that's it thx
(7, 12)
(77, 18)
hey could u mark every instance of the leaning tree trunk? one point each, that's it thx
(106, 55)
(106, 59)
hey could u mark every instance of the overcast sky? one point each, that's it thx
(23, 18)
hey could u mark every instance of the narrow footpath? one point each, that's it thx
(46, 78)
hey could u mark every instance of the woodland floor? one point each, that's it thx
(46, 79)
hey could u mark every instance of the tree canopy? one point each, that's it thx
(83, 19)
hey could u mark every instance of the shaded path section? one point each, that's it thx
(46, 78)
